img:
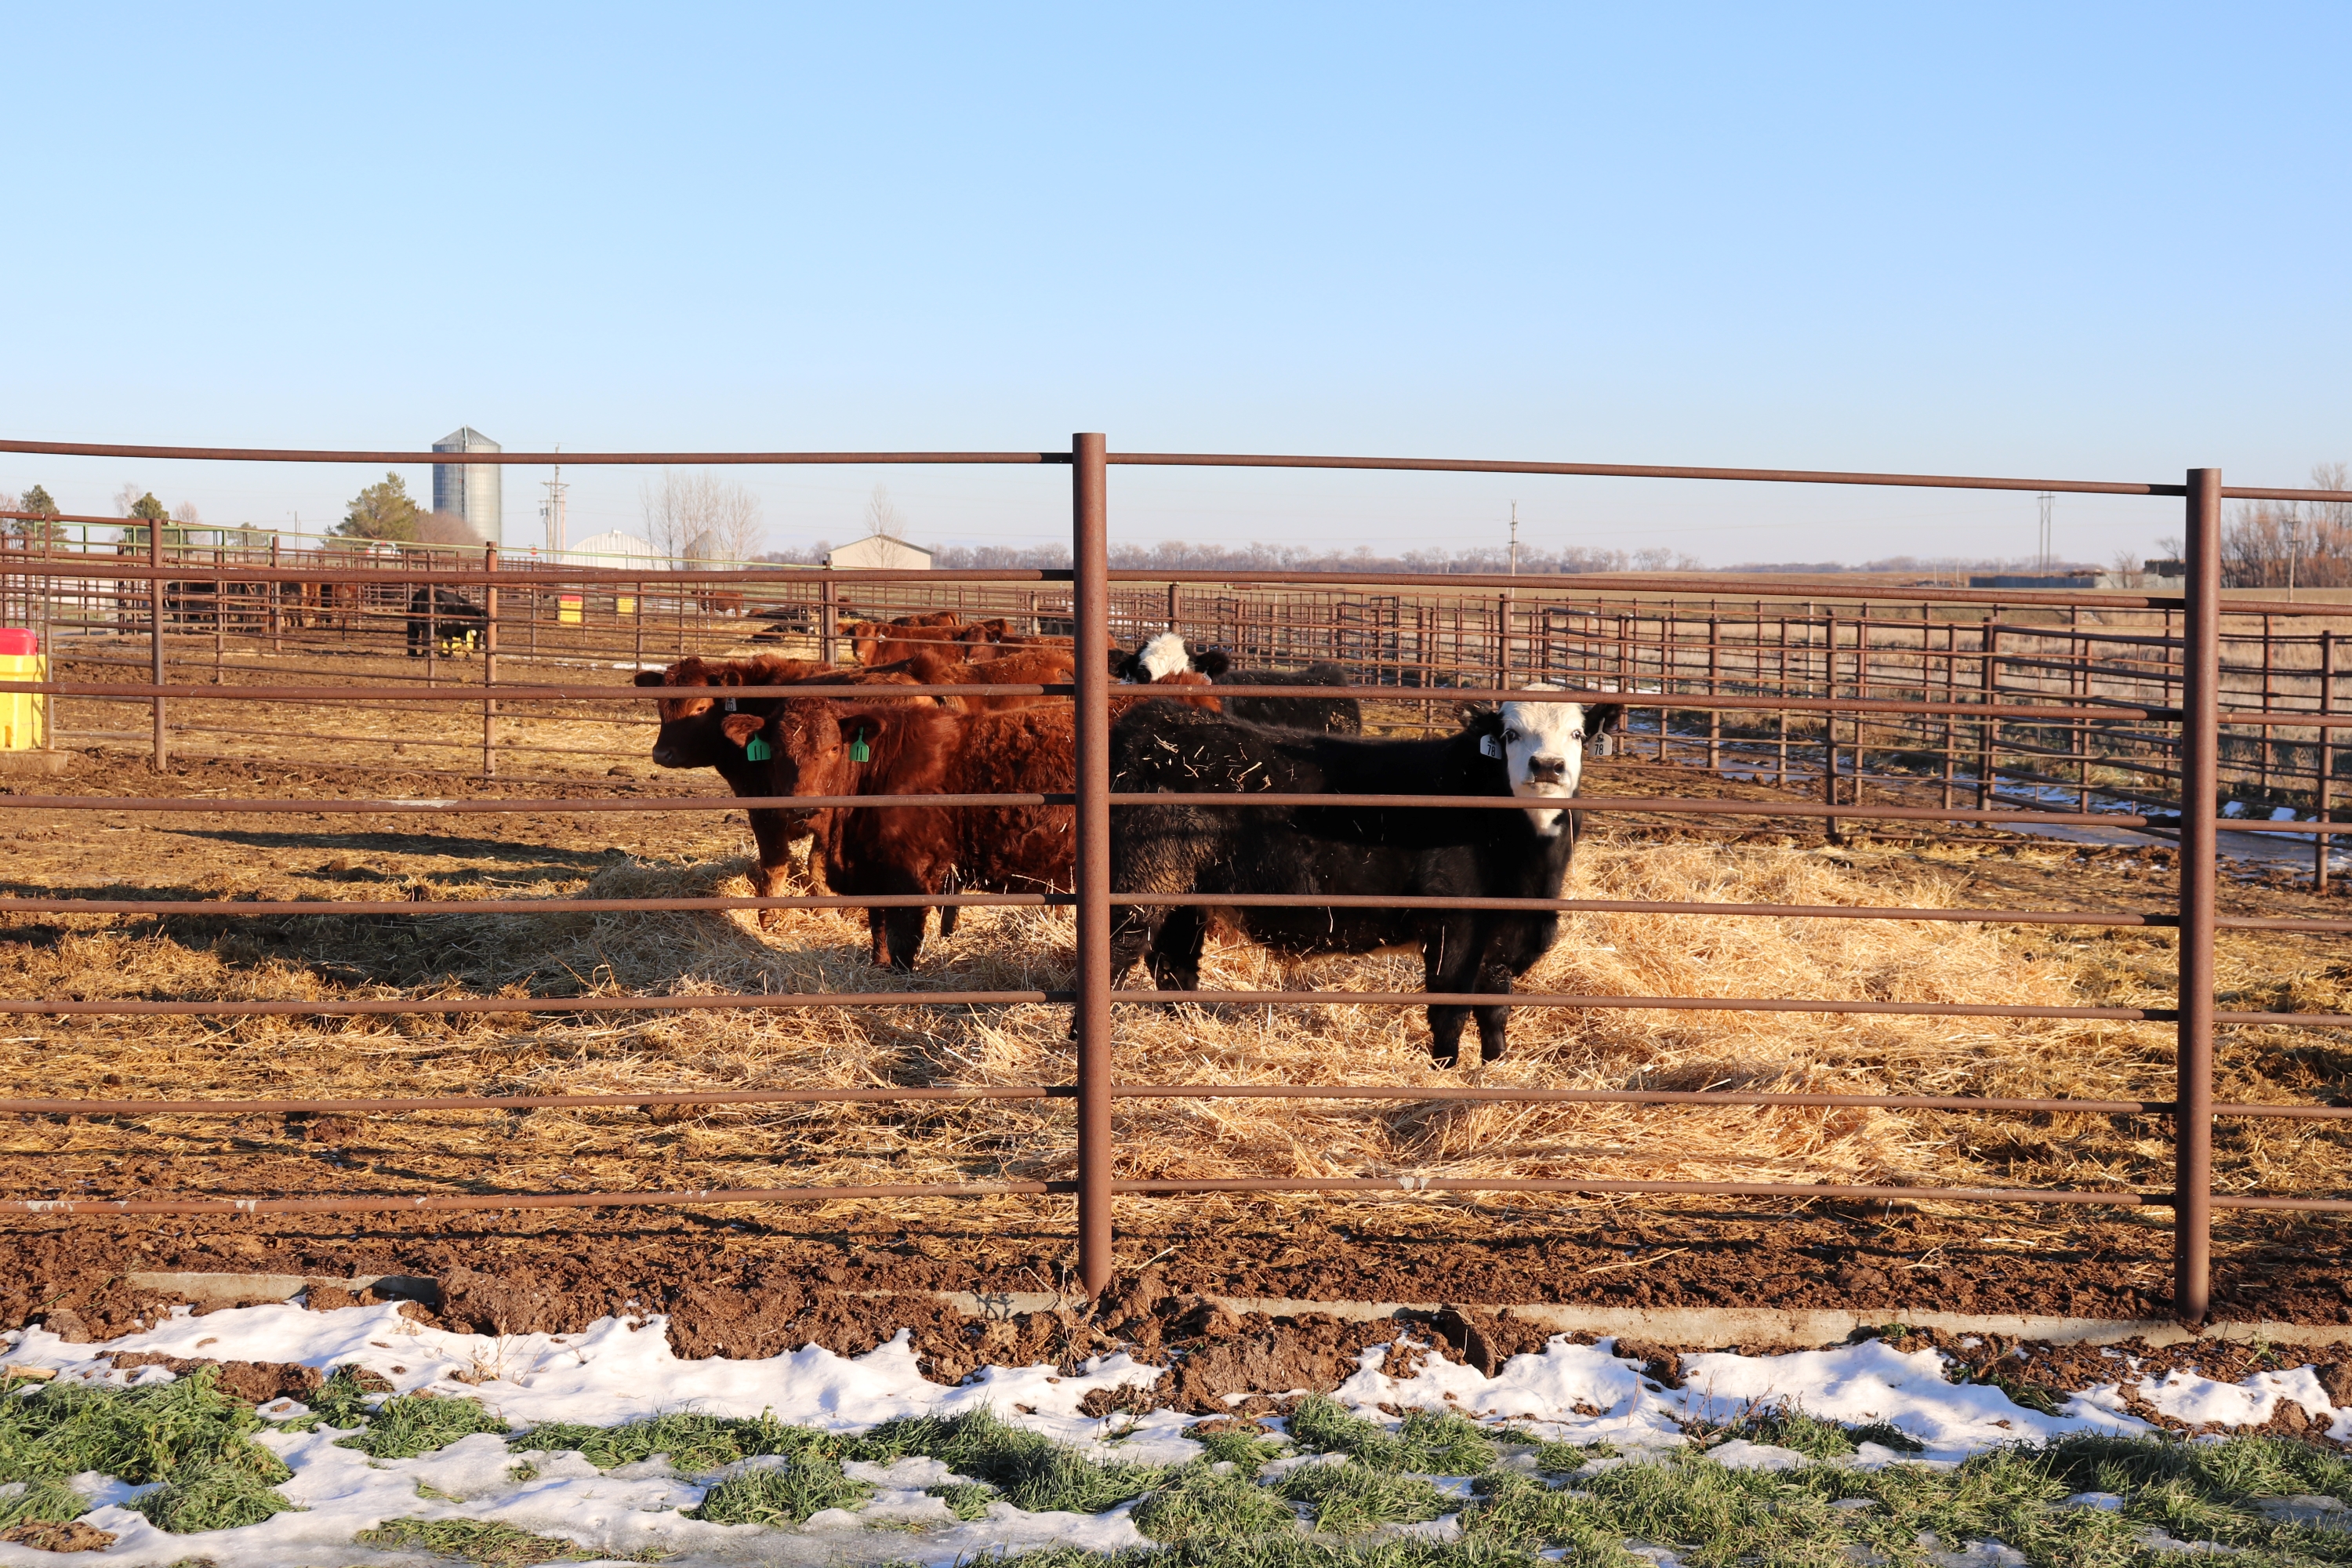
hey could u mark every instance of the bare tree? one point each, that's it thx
(2259, 543)
(883, 515)
(128, 497)
(700, 516)
(446, 527)
(187, 515)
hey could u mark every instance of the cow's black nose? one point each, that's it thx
(1547, 770)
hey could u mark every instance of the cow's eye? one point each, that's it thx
(1510, 736)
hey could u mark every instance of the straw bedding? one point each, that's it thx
(692, 952)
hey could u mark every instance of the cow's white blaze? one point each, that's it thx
(1543, 746)
(1164, 655)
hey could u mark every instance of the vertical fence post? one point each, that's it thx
(489, 664)
(1829, 725)
(1714, 688)
(828, 619)
(163, 759)
(2200, 736)
(1989, 681)
(1090, 611)
(2324, 767)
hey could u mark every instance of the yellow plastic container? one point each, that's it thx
(23, 715)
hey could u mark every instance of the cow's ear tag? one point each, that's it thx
(757, 749)
(1489, 746)
(730, 705)
(1602, 744)
(859, 752)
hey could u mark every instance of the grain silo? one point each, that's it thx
(470, 490)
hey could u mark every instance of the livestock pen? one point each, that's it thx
(1911, 706)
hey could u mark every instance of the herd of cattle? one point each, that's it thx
(1173, 734)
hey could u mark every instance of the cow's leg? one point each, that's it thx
(1132, 931)
(1175, 956)
(1493, 1022)
(902, 931)
(774, 833)
(1449, 957)
(947, 913)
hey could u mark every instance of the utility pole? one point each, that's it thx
(551, 510)
(2292, 524)
(1515, 539)
(2048, 557)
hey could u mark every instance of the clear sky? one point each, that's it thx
(2104, 241)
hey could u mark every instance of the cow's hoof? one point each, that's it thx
(1446, 1058)
(1493, 1053)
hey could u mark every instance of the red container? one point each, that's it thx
(16, 640)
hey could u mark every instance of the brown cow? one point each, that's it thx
(934, 849)
(702, 727)
(884, 642)
(1023, 667)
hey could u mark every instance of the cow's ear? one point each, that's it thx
(1214, 663)
(740, 727)
(649, 678)
(1601, 718)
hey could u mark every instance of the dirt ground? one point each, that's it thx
(746, 1281)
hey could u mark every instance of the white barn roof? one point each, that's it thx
(878, 551)
(614, 543)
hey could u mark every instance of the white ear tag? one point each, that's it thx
(1488, 746)
(1604, 744)
(730, 705)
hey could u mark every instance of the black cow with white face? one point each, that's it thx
(1167, 655)
(1533, 750)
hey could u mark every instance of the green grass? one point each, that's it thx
(46, 1500)
(1716, 1517)
(696, 1444)
(1236, 1445)
(1353, 1496)
(136, 1435)
(403, 1427)
(1794, 1427)
(1293, 1551)
(339, 1403)
(1425, 1443)
(1031, 1470)
(210, 1495)
(1200, 1502)
(968, 1501)
(472, 1540)
(781, 1494)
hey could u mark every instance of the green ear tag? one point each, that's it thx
(757, 749)
(859, 752)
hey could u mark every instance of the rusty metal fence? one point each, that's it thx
(2162, 713)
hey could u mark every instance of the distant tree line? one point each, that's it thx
(1175, 555)
(2267, 538)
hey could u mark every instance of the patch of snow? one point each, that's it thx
(1979, 1554)
(2188, 1397)
(1873, 1380)
(1739, 1453)
(2105, 1502)
(2321, 1510)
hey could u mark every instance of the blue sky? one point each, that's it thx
(2088, 241)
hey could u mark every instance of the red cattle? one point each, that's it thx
(910, 749)
(703, 727)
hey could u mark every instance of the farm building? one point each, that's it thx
(879, 552)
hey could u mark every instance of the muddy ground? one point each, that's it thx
(752, 1281)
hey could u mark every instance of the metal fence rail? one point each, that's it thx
(2148, 701)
